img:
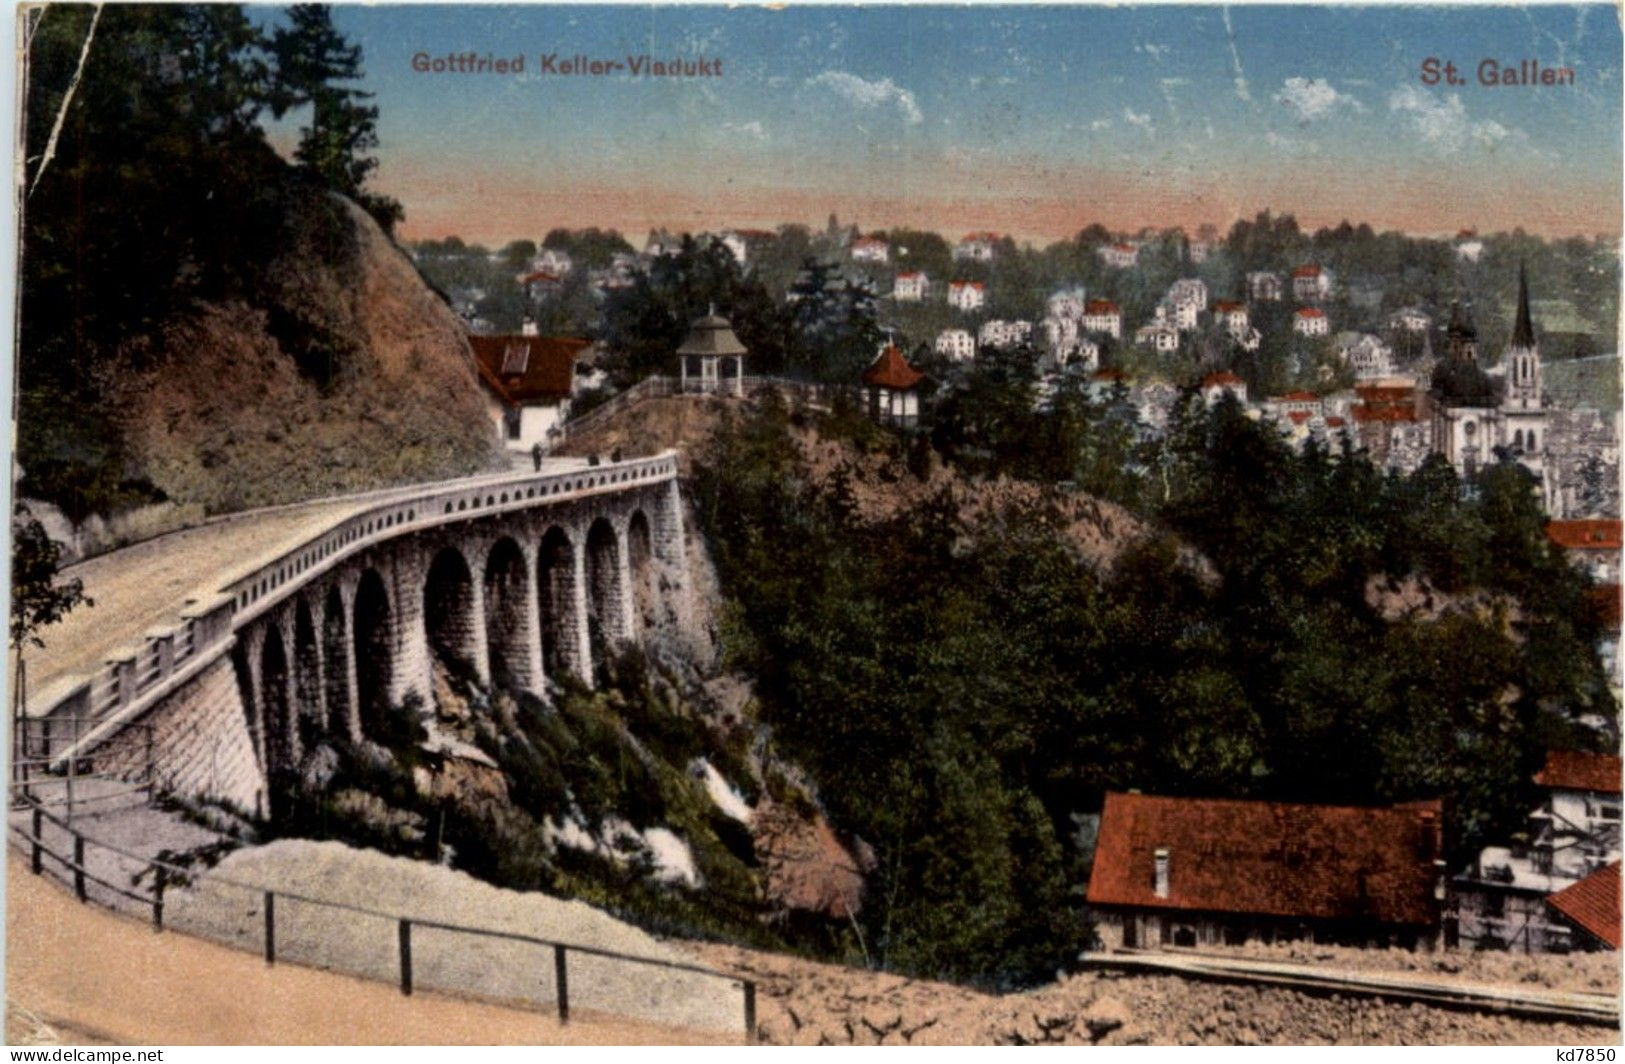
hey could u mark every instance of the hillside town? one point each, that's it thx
(1396, 386)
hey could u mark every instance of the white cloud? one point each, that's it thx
(1314, 98)
(1101, 123)
(1444, 122)
(1155, 51)
(869, 94)
(751, 129)
(1242, 92)
(1133, 119)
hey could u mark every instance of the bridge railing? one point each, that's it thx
(660, 387)
(127, 685)
(71, 855)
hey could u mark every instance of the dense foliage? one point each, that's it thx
(150, 185)
(961, 693)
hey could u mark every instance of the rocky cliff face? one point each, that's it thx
(341, 371)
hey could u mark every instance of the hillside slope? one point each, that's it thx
(346, 372)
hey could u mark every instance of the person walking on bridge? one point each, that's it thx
(536, 456)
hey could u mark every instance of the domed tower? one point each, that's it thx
(712, 359)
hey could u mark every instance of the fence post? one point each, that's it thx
(35, 862)
(73, 765)
(561, 983)
(406, 957)
(750, 1011)
(79, 866)
(270, 928)
(152, 775)
(160, 878)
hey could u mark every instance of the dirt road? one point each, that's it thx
(84, 973)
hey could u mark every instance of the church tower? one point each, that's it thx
(1523, 404)
(1523, 389)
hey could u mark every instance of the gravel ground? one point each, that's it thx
(1588, 972)
(806, 1003)
(337, 939)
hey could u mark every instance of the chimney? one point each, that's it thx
(528, 328)
(1160, 886)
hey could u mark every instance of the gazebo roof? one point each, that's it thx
(712, 335)
(891, 370)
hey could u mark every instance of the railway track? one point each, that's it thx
(1568, 1006)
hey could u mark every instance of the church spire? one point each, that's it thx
(1523, 330)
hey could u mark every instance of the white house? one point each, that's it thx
(1085, 355)
(1311, 284)
(870, 249)
(967, 295)
(1160, 336)
(1065, 303)
(1468, 247)
(1410, 320)
(1232, 317)
(1215, 385)
(1311, 321)
(1060, 334)
(1189, 290)
(1103, 316)
(1365, 354)
(552, 260)
(976, 247)
(1296, 407)
(1119, 255)
(911, 287)
(1504, 899)
(957, 345)
(1001, 333)
(736, 245)
(1264, 286)
(530, 381)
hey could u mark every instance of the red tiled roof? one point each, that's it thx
(549, 365)
(1576, 770)
(1110, 375)
(1228, 306)
(978, 285)
(986, 236)
(1588, 534)
(1382, 413)
(1391, 392)
(1466, 234)
(1299, 397)
(1298, 417)
(1221, 380)
(909, 275)
(1306, 271)
(1311, 312)
(1270, 858)
(1334, 422)
(1123, 247)
(1096, 307)
(1593, 903)
(891, 370)
(868, 242)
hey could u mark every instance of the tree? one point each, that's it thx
(311, 58)
(37, 600)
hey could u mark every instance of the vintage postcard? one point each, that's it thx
(882, 525)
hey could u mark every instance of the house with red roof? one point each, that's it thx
(1591, 909)
(976, 247)
(1216, 385)
(1311, 321)
(1592, 544)
(1119, 256)
(870, 249)
(529, 381)
(892, 389)
(967, 295)
(1201, 872)
(1103, 316)
(1501, 900)
(1311, 284)
(911, 286)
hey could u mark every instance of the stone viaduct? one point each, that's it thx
(517, 580)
